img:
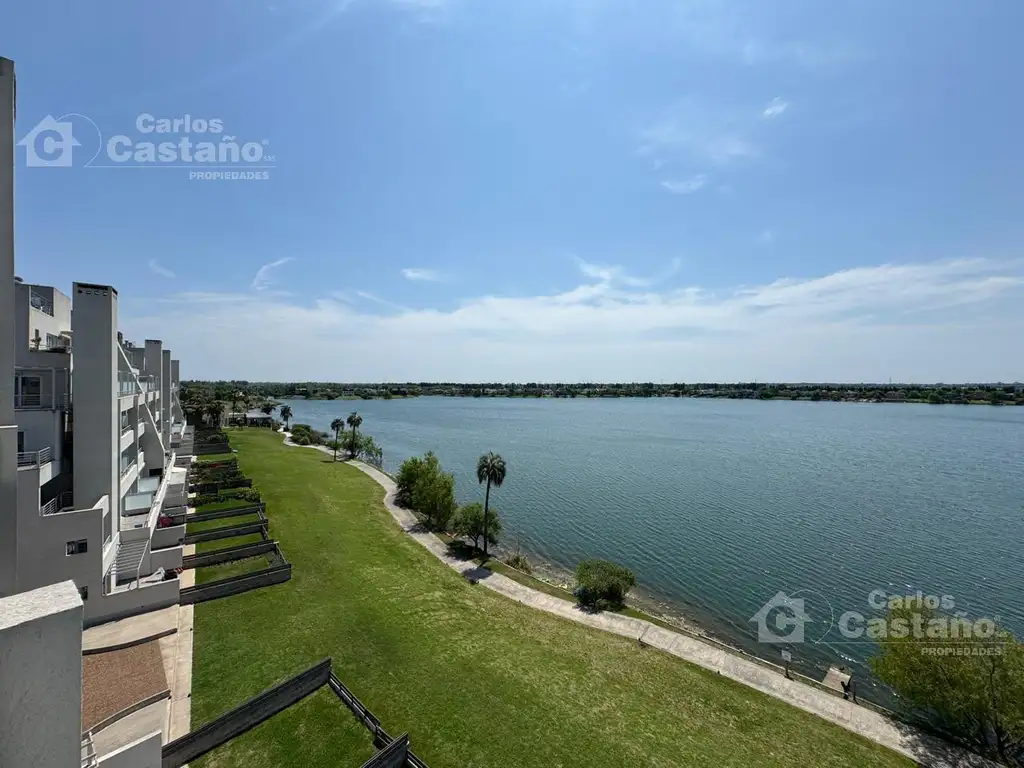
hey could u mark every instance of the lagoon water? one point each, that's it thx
(717, 505)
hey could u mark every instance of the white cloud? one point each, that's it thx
(419, 273)
(156, 268)
(685, 186)
(263, 280)
(775, 108)
(942, 320)
(698, 133)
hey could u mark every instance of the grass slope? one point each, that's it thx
(476, 679)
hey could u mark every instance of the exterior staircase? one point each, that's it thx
(129, 557)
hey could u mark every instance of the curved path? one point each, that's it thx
(915, 744)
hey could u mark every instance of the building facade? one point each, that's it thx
(89, 427)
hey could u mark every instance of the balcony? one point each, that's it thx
(62, 502)
(35, 458)
(41, 303)
(127, 385)
(46, 401)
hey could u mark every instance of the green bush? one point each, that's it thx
(602, 585)
(426, 490)
(469, 522)
(520, 562)
(250, 495)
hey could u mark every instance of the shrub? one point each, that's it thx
(212, 437)
(300, 439)
(601, 584)
(520, 562)
(238, 494)
(469, 522)
(425, 489)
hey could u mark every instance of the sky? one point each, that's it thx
(535, 190)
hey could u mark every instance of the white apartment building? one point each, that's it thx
(89, 429)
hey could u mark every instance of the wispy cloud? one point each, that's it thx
(157, 268)
(263, 278)
(685, 186)
(938, 319)
(422, 274)
(698, 143)
(775, 108)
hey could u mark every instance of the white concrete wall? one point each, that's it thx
(144, 753)
(42, 543)
(97, 424)
(43, 429)
(41, 678)
(8, 432)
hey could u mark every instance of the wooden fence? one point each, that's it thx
(243, 718)
(228, 554)
(228, 532)
(235, 585)
(394, 752)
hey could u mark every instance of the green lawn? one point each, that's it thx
(236, 568)
(236, 541)
(226, 504)
(223, 522)
(476, 679)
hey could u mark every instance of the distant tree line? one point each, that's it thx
(963, 394)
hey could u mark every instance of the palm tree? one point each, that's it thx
(354, 420)
(286, 414)
(490, 469)
(337, 425)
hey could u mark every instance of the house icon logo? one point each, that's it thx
(50, 144)
(781, 620)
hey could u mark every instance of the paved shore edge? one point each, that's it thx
(900, 737)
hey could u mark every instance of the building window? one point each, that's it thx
(21, 442)
(79, 547)
(84, 592)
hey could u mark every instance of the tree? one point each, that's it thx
(601, 584)
(286, 414)
(337, 425)
(425, 489)
(970, 682)
(354, 420)
(490, 469)
(470, 522)
(268, 408)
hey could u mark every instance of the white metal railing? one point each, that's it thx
(125, 429)
(128, 467)
(47, 400)
(59, 503)
(35, 458)
(89, 757)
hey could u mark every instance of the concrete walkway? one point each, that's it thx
(922, 747)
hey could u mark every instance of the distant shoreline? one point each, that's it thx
(1019, 401)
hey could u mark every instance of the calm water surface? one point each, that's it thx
(718, 504)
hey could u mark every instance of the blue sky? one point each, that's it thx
(544, 189)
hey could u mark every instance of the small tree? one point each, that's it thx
(601, 584)
(337, 425)
(470, 523)
(354, 420)
(286, 414)
(425, 489)
(490, 469)
(970, 685)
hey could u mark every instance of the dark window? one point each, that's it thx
(84, 592)
(79, 547)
